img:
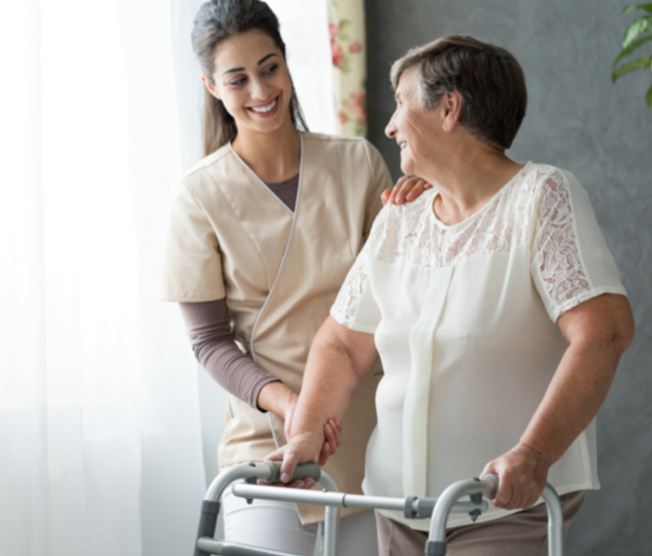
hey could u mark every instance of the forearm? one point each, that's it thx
(576, 393)
(212, 341)
(338, 360)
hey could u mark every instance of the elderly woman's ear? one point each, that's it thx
(451, 110)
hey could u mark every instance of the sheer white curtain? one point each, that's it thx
(103, 414)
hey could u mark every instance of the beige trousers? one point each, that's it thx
(521, 534)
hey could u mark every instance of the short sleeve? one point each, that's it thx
(192, 263)
(355, 306)
(571, 262)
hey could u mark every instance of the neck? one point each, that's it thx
(468, 179)
(275, 156)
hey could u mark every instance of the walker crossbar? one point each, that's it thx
(437, 509)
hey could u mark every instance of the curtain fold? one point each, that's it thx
(104, 413)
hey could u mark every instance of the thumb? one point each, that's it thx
(290, 460)
(384, 197)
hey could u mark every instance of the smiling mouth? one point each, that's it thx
(265, 109)
(402, 145)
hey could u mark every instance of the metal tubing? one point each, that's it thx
(224, 479)
(339, 499)
(555, 521)
(296, 495)
(488, 486)
(225, 548)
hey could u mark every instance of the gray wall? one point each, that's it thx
(579, 121)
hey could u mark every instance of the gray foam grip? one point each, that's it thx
(302, 471)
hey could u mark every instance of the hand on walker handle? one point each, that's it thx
(307, 447)
(522, 473)
(407, 188)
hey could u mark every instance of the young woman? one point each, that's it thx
(260, 236)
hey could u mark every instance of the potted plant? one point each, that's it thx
(637, 34)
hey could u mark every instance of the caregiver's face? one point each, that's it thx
(411, 125)
(252, 80)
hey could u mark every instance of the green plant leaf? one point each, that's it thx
(636, 27)
(648, 97)
(627, 51)
(630, 9)
(641, 63)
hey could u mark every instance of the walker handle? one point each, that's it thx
(302, 471)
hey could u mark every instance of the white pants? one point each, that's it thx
(276, 526)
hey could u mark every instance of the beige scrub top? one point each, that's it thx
(228, 235)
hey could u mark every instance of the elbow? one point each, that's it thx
(624, 336)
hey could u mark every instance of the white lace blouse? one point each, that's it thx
(464, 321)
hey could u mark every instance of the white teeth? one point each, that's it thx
(403, 145)
(265, 109)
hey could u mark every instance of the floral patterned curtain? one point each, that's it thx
(346, 24)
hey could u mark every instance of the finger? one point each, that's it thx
(402, 188)
(397, 188)
(288, 466)
(384, 196)
(337, 431)
(505, 492)
(415, 191)
(331, 438)
(324, 454)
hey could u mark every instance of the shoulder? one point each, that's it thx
(205, 177)
(404, 218)
(212, 161)
(539, 183)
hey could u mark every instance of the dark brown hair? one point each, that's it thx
(489, 78)
(216, 21)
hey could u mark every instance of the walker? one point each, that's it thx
(437, 509)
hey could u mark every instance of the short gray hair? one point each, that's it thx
(489, 78)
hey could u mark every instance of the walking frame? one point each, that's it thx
(437, 509)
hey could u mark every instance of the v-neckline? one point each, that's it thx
(267, 188)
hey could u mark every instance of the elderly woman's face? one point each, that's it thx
(412, 126)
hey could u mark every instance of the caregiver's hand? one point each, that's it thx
(407, 188)
(522, 473)
(302, 448)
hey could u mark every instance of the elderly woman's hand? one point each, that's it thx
(407, 188)
(522, 473)
(302, 448)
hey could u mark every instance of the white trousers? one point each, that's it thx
(276, 526)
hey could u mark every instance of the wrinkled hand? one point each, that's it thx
(522, 473)
(302, 448)
(407, 188)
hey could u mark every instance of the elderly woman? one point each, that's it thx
(494, 304)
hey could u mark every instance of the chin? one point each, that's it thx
(407, 167)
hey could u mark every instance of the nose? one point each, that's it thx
(259, 89)
(390, 129)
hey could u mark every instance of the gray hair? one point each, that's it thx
(489, 78)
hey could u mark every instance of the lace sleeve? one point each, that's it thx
(354, 306)
(571, 262)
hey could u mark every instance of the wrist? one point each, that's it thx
(534, 453)
(277, 398)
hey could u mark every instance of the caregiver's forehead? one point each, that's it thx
(244, 50)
